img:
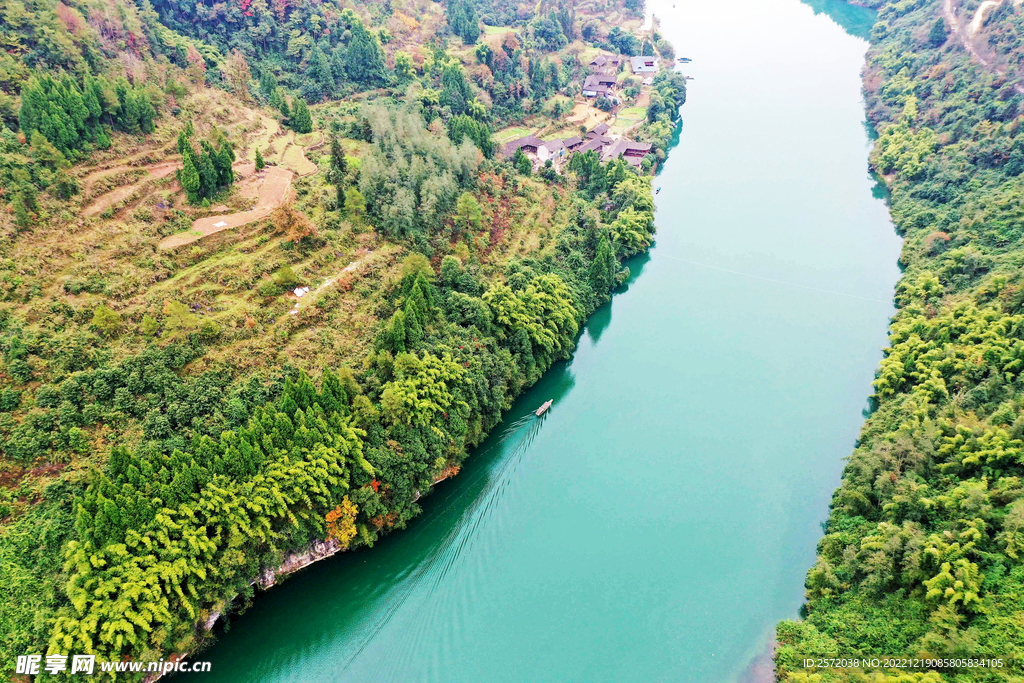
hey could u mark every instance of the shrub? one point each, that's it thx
(107, 321)
(269, 288)
(285, 277)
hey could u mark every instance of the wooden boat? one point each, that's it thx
(543, 409)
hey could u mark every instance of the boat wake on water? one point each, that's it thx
(515, 439)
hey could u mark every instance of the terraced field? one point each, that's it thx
(271, 189)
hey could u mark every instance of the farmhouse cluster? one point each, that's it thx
(604, 77)
(603, 81)
(597, 140)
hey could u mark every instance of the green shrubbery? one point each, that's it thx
(922, 550)
(212, 476)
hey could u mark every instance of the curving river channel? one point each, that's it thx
(659, 520)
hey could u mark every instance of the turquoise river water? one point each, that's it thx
(659, 521)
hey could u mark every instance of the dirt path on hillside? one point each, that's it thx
(979, 16)
(965, 35)
(271, 188)
(101, 203)
(310, 296)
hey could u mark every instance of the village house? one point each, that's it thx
(597, 140)
(632, 152)
(537, 150)
(599, 86)
(528, 144)
(591, 145)
(644, 65)
(603, 62)
(610, 148)
(573, 143)
(553, 150)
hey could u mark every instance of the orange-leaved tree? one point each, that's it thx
(341, 522)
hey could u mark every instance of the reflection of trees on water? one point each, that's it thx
(854, 19)
(490, 471)
(599, 322)
(431, 572)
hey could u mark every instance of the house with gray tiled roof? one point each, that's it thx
(598, 86)
(597, 140)
(528, 144)
(552, 149)
(603, 62)
(605, 140)
(644, 65)
(572, 143)
(632, 152)
(591, 145)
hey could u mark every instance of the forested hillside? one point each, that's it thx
(922, 554)
(183, 401)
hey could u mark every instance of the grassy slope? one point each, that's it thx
(111, 259)
(99, 249)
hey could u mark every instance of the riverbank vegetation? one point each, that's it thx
(922, 554)
(175, 419)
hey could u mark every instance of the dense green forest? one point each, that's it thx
(329, 50)
(922, 552)
(228, 477)
(168, 429)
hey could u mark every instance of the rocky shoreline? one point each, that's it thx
(267, 578)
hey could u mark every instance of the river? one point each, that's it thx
(659, 521)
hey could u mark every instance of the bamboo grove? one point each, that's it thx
(922, 554)
(148, 477)
(233, 473)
